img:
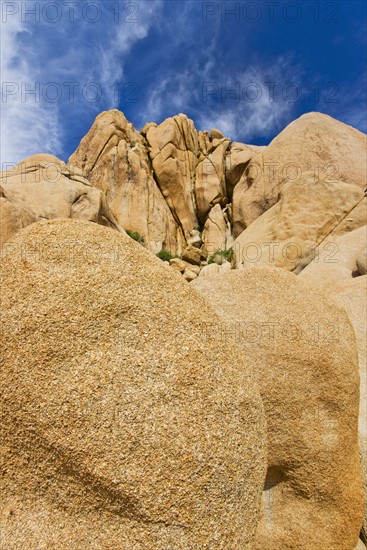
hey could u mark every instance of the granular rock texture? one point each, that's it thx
(303, 349)
(122, 425)
(337, 273)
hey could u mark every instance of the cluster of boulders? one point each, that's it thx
(140, 411)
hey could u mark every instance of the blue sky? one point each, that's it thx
(246, 67)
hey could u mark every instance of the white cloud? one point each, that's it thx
(255, 103)
(25, 127)
(76, 52)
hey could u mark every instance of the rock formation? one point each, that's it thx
(173, 150)
(293, 231)
(303, 350)
(131, 418)
(122, 425)
(42, 187)
(113, 157)
(314, 142)
(339, 273)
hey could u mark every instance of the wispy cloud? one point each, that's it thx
(72, 64)
(255, 103)
(25, 127)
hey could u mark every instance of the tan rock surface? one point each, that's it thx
(209, 270)
(314, 141)
(303, 349)
(361, 261)
(122, 426)
(179, 265)
(189, 275)
(238, 156)
(293, 232)
(114, 158)
(334, 273)
(42, 187)
(336, 264)
(13, 218)
(215, 134)
(210, 183)
(173, 149)
(192, 255)
(215, 230)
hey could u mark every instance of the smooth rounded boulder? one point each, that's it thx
(42, 187)
(303, 350)
(331, 150)
(124, 423)
(341, 278)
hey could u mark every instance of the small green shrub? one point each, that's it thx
(135, 235)
(164, 255)
(225, 254)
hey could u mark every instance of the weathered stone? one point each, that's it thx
(238, 157)
(195, 269)
(173, 149)
(334, 272)
(146, 127)
(42, 187)
(195, 239)
(361, 261)
(291, 233)
(225, 266)
(215, 134)
(189, 275)
(13, 218)
(316, 142)
(209, 270)
(121, 425)
(113, 156)
(205, 145)
(210, 185)
(215, 230)
(179, 265)
(192, 255)
(302, 346)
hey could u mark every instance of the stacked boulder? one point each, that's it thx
(303, 351)
(140, 411)
(122, 426)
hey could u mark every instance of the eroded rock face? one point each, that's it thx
(215, 234)
(210, 183)
(238, 157)
(173, 150)
(339, 276)
(122, 425)
(113, 156)
(361, 260)
(315, 142)
(303, 349)
(13, 218)
(292, 232)
(42, 187)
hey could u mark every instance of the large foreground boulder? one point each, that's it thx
(122, 426)
(337, 273)
(303, 349)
